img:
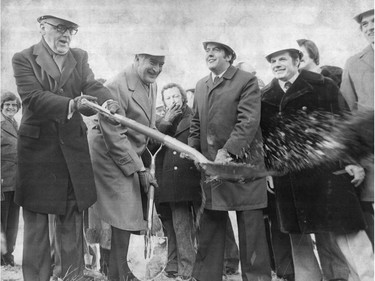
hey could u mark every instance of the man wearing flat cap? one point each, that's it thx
(122, 181)
(309, 199)
(225, 128)
(55, 174)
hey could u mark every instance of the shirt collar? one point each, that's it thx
(291, 80)
(220, 75)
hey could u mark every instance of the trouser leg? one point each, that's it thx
(231, 254)
(254, 256)
(36, 260)
(210, 256)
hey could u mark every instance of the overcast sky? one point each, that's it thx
(111, 31)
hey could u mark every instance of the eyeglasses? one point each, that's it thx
(63, 28)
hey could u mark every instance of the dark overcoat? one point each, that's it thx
(178, 178)
(51, 147)
(227, 115)
(312, 200)
(9, 137)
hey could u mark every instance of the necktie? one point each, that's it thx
(216, 79)
(287, 85)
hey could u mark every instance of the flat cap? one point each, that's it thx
(68, 22)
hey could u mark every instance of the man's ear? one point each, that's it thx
(228, 58)
(42, 28)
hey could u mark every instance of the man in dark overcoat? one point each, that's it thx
(308, 200)
(55, 174)
(225, 127)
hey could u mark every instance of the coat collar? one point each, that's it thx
(7, 126)
(46, 62)
(140, 94)
(226, 76)
(367, 56)
(185, 121)
(274, 95)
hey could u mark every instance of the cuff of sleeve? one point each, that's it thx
(70, 109)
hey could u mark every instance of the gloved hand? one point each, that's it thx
(223, 156)
(146, 179)
(172, 113)
(357, 172)
(81, 108)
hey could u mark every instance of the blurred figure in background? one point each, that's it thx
(245, 66)
(10, 104)
(190, 97)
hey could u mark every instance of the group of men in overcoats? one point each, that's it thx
(60, 172)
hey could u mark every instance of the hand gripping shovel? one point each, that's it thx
(227, 171)
(150, 263)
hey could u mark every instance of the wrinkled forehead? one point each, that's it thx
(280, 54)
(172, 91)
(214, 45)
(367, 17)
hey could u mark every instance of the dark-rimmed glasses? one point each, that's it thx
(63, 28)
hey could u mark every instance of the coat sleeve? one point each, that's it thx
(34, 97)
(248, 119)
(90, 86)
(347, 88)
(115, 137)
(194, 139)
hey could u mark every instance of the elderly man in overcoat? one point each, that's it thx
(120, 175)
(313, 199)
(358, 89)
(55, 174)
(225, 127)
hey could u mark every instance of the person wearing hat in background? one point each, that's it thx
(358, 89)
(55, 173)
(310, 200)
(10, 105)
(225, 128)
(121, 178)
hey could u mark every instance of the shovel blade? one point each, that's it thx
(149, 268)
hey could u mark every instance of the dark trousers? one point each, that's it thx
(255, 263)
(368, 213)
(118, 265)
(9, 223)
(231, 254)
(67, 245)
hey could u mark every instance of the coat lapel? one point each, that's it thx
(367, 57)
(227, 76)
(140, 94)
(185, 122)
(69, 65)
(45, 61)
(7, 126)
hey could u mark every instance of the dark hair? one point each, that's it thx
(9, 96)
(174, 85)
(311, 49)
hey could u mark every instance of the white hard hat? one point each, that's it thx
(282, 47)
(364, 7)
(155, 47)
(222, 43)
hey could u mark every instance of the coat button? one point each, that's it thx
(61, 141)
(304, 108)
(61, 91)
(174, 152)
(175, 168)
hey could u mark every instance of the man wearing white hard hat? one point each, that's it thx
(55, 172)
(308, 200)
(121, 178)
(225, 128)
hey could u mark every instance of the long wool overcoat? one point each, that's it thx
(116, 151)
(51, 147)
(227, 115)
(314, 199)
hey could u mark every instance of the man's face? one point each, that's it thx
(216, 59)
(283, 66)
(148, 67)
(59, 42)
(306, 62)
(367, 28)
(172, 96)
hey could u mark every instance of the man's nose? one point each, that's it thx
(156, 68)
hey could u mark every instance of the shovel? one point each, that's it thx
(151, 263)
(226, 171)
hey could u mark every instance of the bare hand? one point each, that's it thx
(223, 156)
(357, 172)
(82, 108)
(172, 113)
